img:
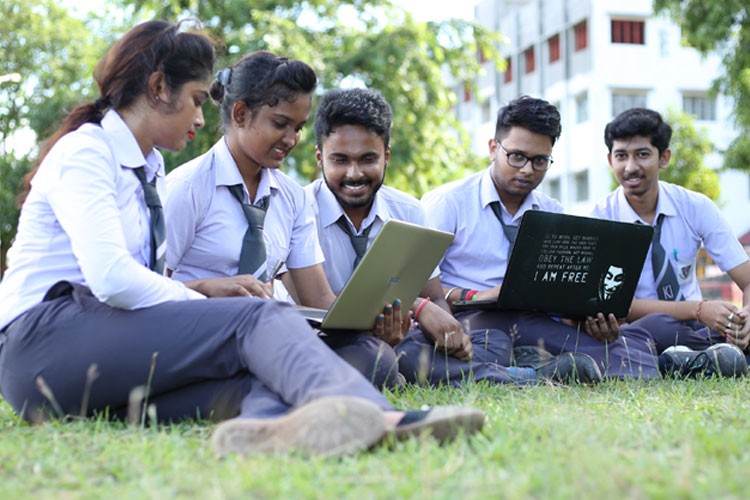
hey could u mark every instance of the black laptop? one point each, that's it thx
(571, 266)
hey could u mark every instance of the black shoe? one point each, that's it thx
(723, 360)
(568, 367)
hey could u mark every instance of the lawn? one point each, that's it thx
(662, 439)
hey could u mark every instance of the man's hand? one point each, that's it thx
(723, 317)
(603, 329)
(739, 334)
(447, 333)
(243, 285)
(390, 325)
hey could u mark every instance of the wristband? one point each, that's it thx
(464, 292)
(698, 311)
(420, 307)
(471, 294)
(447, 295)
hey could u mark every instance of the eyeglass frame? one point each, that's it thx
(527, 159)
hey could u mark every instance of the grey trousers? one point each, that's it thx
(419, 360)
(209, 358)
(631, 355)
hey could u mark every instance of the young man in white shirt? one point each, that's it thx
(352, 128)
(483, 209)
(668, 300)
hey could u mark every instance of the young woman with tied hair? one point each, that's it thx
(86, 315)
(265, 101)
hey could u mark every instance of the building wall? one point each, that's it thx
(582, 83)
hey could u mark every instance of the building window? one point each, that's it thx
(580, 31)
(528, 57)
(508, 70)
(553, 188)
(582, 107)
(481, 56)
(468, 93)
(622, 101)
(628, 32)
(700, 106)
(486, 111)
(581, 181)
(553, 45)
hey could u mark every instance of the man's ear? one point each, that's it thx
(387, 155)
(609, 159)
(240, 113)
(493, 149)
(664, 158)
(319, 157)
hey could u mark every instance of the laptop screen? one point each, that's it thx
(574, 266)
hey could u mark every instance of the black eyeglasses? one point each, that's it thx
(519, 160)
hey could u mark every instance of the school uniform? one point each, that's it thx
(690, 220)
(81, 313)
(206, 226)
(478, 257)
(418, 359)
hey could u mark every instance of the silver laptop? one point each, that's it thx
(396, 266)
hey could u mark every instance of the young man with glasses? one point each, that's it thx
(484, 211)
(353, 130)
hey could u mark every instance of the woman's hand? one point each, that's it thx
(242, 285)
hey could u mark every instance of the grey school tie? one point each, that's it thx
(253, 252)
(156, 225)
(510, 231)
(665, 278)
(359, 242)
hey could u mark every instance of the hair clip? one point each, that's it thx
(224, 76)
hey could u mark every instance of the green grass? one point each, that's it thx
(662, 439)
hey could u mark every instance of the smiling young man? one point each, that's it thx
(668, 300)
(484, 210)
(352, 129)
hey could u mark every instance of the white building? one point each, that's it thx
(593, 59)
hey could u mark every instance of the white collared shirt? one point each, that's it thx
(690, 220)
(339, 253)
(85, 221)
(478, 256)
(206, 224)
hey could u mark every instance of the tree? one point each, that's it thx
(689, 147)
(723, 27)
(50, 56)
(350, 43)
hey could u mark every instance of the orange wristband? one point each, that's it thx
(420, 307)
(698, 311)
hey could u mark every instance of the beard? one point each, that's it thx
(360, 202)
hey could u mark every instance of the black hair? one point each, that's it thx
(639, 122)
(123, 74)
(364, 107)
(261, 79)
(536, 115)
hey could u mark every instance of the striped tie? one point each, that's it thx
(510, 231)
(156, 226)
(665, 278)
(359, 242)
(253, 252)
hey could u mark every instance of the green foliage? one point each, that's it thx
(54, 54)
(724, 27)
(689, 147)
(356, 43)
